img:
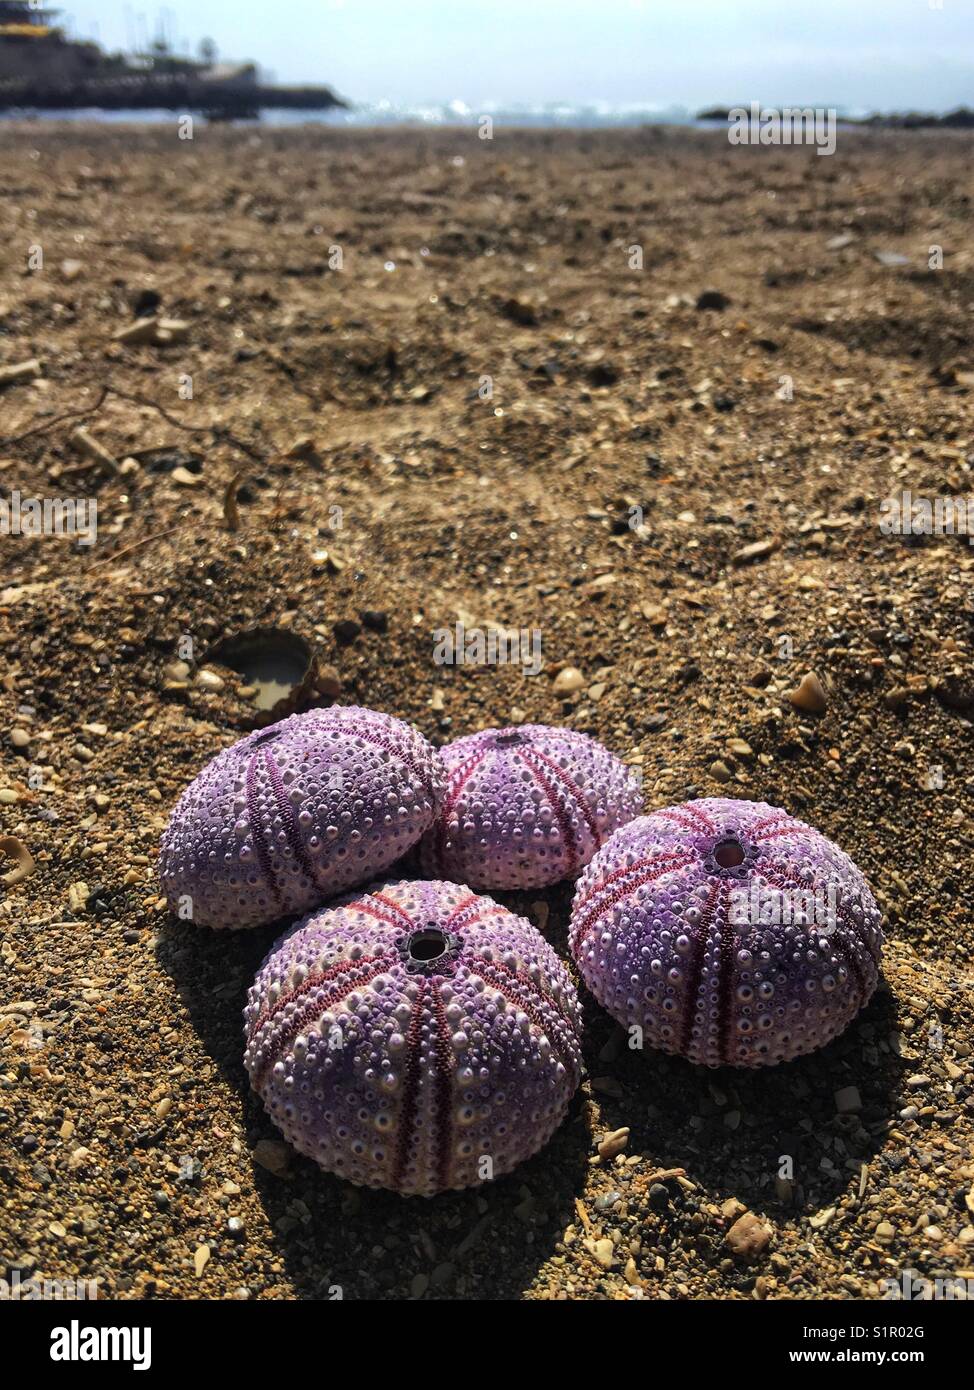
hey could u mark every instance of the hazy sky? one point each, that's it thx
(852, 53)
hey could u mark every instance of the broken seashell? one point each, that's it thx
(12, 848)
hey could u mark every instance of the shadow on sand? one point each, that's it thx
(731, 1131)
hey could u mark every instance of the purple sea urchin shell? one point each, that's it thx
(728, 932)
(526, 806)
(296, 812)
(415, 1037)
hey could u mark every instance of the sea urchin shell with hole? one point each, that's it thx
(728, 932)
(295, 813)
(526, 806)
(414, 1037)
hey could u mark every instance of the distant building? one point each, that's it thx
(28, 38)
(19, 20)
(33, 47)
(41, 68)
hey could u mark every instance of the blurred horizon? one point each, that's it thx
(880, 55)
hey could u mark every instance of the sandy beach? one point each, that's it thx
(641, 393)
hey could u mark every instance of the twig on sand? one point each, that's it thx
(58, 419)
(146, 540)
(230, 511)
(218, 431)
(95, 452)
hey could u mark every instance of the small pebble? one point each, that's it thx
(273, 1155)
(604, 1252)
(809, 695)
(209, 680)
(613, 1144)
(748, 1238)
(568, 681)
(712, 299)
(605, 1200)
(346, 630)
(758, 550)
(848, 1100)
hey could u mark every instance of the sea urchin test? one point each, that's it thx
(415, 1037)
(728, 932)
(295, 813)
(526, 806)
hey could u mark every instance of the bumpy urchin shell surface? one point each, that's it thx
(415, 1037)
(526, 806)
(297, 812)
(728, 932)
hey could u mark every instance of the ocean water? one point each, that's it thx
(572, 116)
(592, 115)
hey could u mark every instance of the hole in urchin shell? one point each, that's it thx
(427, 944)
(729, 853)
(505, 740)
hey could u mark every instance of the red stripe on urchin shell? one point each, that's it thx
(574, 790)
(513, 990)
(567, 831)
(689, 818)
(363, 905)
(698, 942)
(672, 864)
(257, 830)
(395, 907)
(522, 978)
(497, 911)
(314, 979)
(686, 856)
(463, 772)
(410, 1090)
(442, 1092)
(457, 911)
(292, 1027)
(388, 742)
(778, 818)
(796, 830)
(287, 816)
(725, 972)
